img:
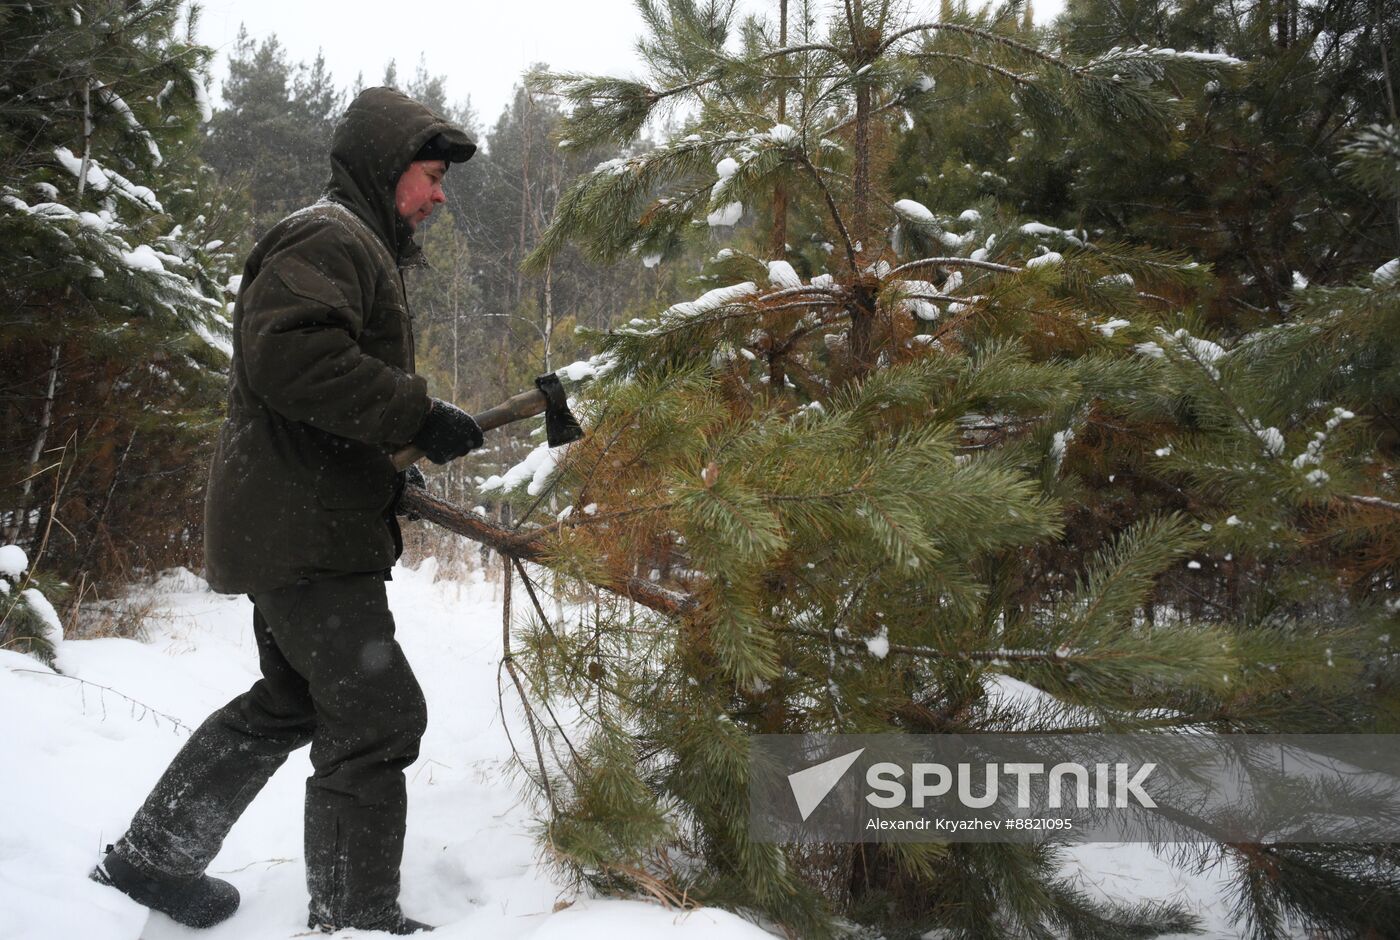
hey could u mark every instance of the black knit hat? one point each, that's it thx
(441, 147)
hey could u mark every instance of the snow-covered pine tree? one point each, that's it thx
(112, 284)
(847, 460)
(1288, 441)
(28, 622)
(1279, 424)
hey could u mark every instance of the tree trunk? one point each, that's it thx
(40, 442)
(777, 244)
(87, 137)
(860, 178)
(522, 248)
(101, 516)
(1383, 43)
(862, 312)
(548, 313)
(862, 308)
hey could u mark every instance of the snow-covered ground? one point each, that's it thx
(78, 759)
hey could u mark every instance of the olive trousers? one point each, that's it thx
(333, 676)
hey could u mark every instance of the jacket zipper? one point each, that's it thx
(412, 348)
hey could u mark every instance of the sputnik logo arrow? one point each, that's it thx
(810, 786)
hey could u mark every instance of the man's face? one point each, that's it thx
(420, 190)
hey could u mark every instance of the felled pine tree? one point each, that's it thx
(111, 284)
(841, 460)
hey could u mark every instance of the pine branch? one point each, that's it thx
(833, 210)
(972, 656)
(528, 546)
(1122, 574)
(898, 101)
(954, 263)
(982, 34)
(1373, 501)
(792, 50)
(1005, 73)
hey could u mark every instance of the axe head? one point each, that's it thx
(560, 426)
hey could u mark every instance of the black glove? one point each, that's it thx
(410, 477)
(447, 433)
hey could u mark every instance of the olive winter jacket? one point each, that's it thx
(321, 387)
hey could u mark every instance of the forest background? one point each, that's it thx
(1261, 196)
(1135, 432)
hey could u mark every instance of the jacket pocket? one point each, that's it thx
(310, 283)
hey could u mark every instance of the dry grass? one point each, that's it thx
(457, 558)
(127, 617)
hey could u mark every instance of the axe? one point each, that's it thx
(547, 398)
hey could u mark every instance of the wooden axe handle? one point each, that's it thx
(517, 408)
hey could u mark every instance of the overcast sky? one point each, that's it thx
(480, 48)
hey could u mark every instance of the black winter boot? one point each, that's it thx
(198, 901)
(395, 924)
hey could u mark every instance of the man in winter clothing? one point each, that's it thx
(300, 516)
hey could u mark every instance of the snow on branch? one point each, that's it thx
(114, 101)
(954, 263)
(102, 179)
(1119, 55)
